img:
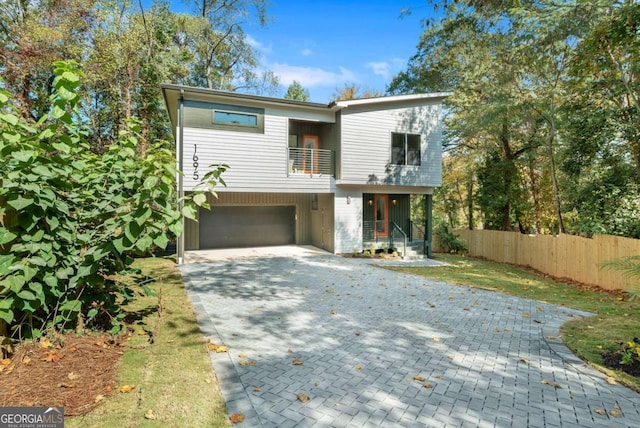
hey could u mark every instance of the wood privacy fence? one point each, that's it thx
(562, 256)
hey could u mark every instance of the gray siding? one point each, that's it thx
(347, 220)
(302, 202)
(257, 162)
(366, 146)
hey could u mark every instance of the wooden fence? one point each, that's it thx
(562, 256)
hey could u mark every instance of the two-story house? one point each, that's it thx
(337, 176)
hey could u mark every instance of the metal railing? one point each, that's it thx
(310, 161)
(397, 229)
(374, 231)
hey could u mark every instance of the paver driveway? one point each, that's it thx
(362, 333)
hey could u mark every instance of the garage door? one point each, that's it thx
(247, 226)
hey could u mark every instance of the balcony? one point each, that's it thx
(311, 162)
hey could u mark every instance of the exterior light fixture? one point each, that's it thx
(370, 202)
(393, 201)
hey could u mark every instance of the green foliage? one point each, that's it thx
(75, 219)
(449, 241)
(631, 352)
(295, 91)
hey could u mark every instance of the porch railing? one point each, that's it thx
(310, 161)
(397, 231)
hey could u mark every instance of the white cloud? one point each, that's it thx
(386, 69)
(265, 50)
(311, 77)
(306, 52)
(380, 68)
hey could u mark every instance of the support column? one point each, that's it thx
(428, 223)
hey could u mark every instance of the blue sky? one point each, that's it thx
(327, 44)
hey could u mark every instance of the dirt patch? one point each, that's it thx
(612, 360)
(76, 373)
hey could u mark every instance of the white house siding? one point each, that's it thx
(257, 162)
(347, 233)
(301, 201)
(366, 146)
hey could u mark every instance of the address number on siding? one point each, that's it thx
(196, 175)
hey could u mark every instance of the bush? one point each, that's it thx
(450, 242)
(73, 219)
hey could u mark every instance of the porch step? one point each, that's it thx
(415, 250)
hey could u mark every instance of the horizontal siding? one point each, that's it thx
(366, 146)
(257, 162)
(302, 202)
(347, 234)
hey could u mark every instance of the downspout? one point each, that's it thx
(428, 226)
(180, 240)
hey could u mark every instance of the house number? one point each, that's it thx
(196, 176)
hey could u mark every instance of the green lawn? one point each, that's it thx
(171, 374)
(617, 319)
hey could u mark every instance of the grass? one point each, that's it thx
(167, 362)
(617, 319)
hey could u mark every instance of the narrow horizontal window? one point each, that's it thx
(235, 118)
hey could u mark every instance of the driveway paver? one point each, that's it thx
(367, 337)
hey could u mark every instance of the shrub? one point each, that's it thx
(73, 218)
(451, 243)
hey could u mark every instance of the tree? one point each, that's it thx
(351, 91)
(295, 91)
(74, 218)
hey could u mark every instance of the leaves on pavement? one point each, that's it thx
(236, 418)
(303, 398)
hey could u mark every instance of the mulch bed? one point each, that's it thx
(612, 360)
(76, 373)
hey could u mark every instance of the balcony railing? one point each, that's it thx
(310, 161)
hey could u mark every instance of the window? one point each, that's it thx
(405, 149)
(235, 118)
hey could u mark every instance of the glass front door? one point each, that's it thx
(381, 214)
(310, 154)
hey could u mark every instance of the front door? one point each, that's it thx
(381, 214)
(310, 154)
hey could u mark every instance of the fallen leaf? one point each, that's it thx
(427, 385)
(440, 377)
(615, 414)
(538, 321)
(236, 418)
(358, 367)
(357, 333)
(141, 333)
(212, 346)
(45, 343)
(599, 346)
(26, 360)
(297, 362)
(524, 360)
(539, 309)
(601, 412)
(241, 355)
(526, 316)
(126, 389)
(436, 339)
(244, 362)
(73, 376)
(98, 398)
(333, 312)
(222, 349)
(68, 385)
(507, 329)
(554, 384)
(51, 356)
(257, 389)
(252, 362)
(150, 415)
(418, 378)
(496, 330)
(551, 337)
(5, 362)
(451, 357)
(611, 381)
(303, 398)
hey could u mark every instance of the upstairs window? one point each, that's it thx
(405, 149)
(222, 117)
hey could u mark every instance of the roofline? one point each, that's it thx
(229, 94)
(389, 99)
